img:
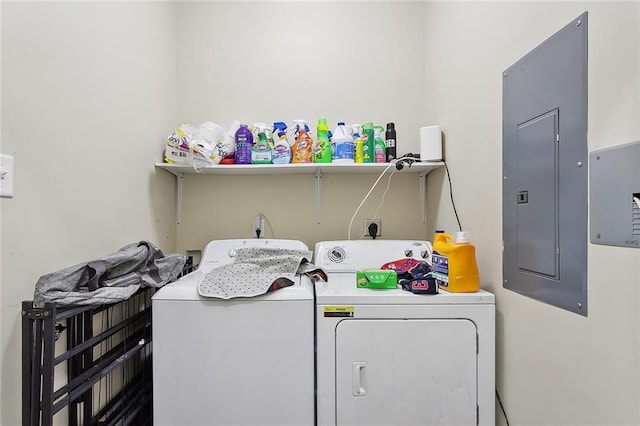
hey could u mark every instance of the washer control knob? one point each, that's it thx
(336, 254)
(408, 253)
(232, 253)
(424, 254)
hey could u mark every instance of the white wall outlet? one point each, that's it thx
(258, 226)
(6, 176)
(368, 222)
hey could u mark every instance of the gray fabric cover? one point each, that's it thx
(256, 271)
(110, 279)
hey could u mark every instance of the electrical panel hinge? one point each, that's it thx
(558, 138)
(477, 415)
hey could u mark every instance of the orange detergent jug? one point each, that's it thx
(454, 263)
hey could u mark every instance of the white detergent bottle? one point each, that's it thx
(342, 141)
(281, 149)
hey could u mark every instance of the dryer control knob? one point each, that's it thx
(232, 253)
(408, 253)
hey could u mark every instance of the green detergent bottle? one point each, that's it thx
(322, 146)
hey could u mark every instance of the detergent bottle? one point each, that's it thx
(282, 149)
(358, 143)
(322, 147)
(244, 140)
(368, 138)
(302, 149)
(379, 148)
(261, 150)
(454, 263)
(342, 141)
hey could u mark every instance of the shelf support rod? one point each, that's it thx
(423, 189)
(179, 187)
(318, 186)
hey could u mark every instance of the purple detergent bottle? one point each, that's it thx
(244, 143)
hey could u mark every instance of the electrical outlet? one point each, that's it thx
(258, 225)
(368, 222)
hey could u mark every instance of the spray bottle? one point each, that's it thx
(358, 142)
(282, 149)
(302, 149)
(322, 146)
(257, 128)
(368, 138)
(379, 148)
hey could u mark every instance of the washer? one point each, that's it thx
(393, 357)
(233, 362)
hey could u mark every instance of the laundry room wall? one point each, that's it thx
(88, 94)
(553, 367)
(91, 89)
(280, 61)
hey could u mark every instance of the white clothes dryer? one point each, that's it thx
(233, 362)
(393, 357)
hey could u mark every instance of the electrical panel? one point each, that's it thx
(615, 195)
(545, 171)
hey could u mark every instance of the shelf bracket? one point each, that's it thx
(423, 200)
(318, 187)
(179, 186)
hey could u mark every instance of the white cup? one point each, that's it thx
(430, 143)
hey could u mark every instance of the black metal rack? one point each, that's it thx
(90, 363)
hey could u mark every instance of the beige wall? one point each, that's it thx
(553, 367)
(284, 62)
(88, 93)
(86, 105)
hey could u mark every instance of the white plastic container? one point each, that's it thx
(342, 142)
(430, 143)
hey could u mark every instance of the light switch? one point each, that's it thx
(6, 176)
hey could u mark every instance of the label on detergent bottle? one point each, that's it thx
(440, 267)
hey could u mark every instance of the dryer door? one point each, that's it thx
(406, 372)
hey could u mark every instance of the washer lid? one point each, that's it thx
(222, 252)
(341, 289)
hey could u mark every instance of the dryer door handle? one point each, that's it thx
(357, 367)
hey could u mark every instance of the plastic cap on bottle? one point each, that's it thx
(390, 126)
(462, 237)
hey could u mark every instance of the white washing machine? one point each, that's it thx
(391, 357)
(233, 362)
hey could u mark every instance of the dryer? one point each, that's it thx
(394, 357)
(243, 361)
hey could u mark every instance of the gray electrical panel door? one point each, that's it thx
(544, 111)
